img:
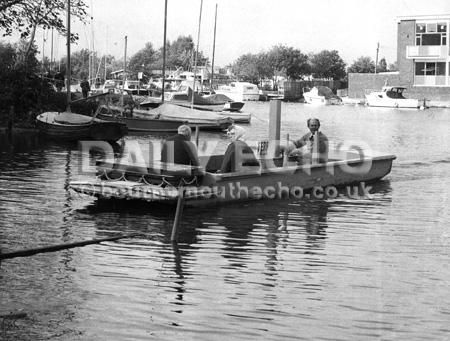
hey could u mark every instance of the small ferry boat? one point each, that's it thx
(391, 96)
(160, 182)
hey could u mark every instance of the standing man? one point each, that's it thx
(85, 87)
(311, 147)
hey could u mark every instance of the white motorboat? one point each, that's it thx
(240, 91)
(321, 95)
(391, 96)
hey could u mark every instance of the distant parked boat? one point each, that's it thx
(73, 127)
(240, 91)
(165, 118)
(391, 96)
(321, 95)
(183, 97)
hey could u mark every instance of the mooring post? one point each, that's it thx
(179, 211)
(274, 127)
(286, 151)
(197, 133)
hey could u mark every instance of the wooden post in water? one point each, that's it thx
(179, 211)
(197, 133)
(274, 128)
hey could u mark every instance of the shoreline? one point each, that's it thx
(429, 103)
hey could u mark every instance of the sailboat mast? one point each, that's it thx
(196, 53)
(214, 51)
(164, 53)
(68, 68)
(51, 53)
(124, 70)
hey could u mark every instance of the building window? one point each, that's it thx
(430, 73)
(431, 34)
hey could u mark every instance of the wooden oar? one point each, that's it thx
(178, 213)
(58, 247)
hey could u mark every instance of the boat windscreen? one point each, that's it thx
(396, 93)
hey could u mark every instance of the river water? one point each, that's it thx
(337, 269)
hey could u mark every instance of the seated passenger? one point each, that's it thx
(179, 148)
(312, 147)
(238, 156)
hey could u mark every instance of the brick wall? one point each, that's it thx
(360, 83)
(405, 36)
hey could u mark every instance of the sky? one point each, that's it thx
(352, 27)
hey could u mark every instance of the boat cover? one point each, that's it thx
(325, 91)
(173, 111)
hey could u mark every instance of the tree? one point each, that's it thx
(20, 85)
(24, 16)
(245, 68)
(181, 53)
(328, 64)
(143, 60)
(382, 65)
(393, 66)
(362, 65)
(288, 61)
(80, 64)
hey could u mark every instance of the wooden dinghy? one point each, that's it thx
(72, 127)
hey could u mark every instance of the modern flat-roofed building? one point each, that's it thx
(423, 59)
(423, 55)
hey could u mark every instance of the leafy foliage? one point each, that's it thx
(382, 65)
(20, 85)
(25, 15)
(181, 53)
(328, 64)
(289, 62)
(362, 65)
(144, 60)
(246, 68)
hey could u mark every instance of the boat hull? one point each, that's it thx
(320, 100)
(149, 124)
(374, 100)
(89, 129)
(268, 182)
(135, 124)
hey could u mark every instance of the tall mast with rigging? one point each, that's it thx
(214, 51)
(196, 54)
(164, 53)
(68, 67)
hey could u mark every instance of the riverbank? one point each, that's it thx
(429, 103)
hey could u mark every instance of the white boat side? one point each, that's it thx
(315, 97)
(391, 96)
(240, 91)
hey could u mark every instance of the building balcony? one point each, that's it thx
(429, 51)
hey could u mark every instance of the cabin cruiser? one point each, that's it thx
(240, 91)
(321, 95)
(391, 96)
